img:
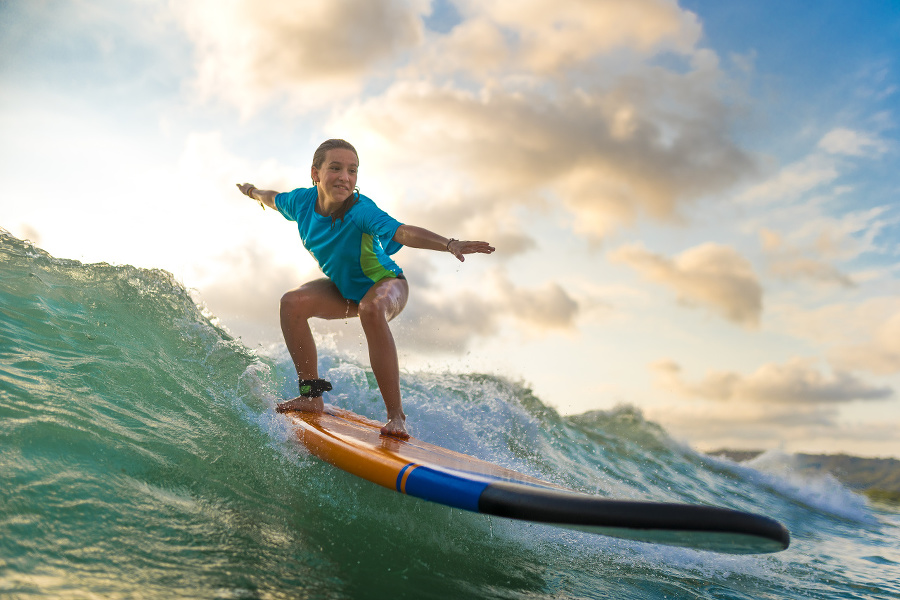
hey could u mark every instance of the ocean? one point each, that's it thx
(141, 457)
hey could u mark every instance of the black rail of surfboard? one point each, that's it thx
(560, 507)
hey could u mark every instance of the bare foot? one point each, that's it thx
(302, 404)
(396, 427)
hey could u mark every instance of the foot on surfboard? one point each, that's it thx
(395, 428)
(400, 435)
(310, 398)
(302, 404)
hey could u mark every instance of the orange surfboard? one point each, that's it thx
(355, 444)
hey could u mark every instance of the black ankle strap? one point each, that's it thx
(313, 388)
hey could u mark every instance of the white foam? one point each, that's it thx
(818, 490)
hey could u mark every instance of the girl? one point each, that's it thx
(352, 240)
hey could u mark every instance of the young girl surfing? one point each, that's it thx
(352, 240)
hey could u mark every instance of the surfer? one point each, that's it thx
(352, 240)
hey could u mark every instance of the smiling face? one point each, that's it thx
(336, 176)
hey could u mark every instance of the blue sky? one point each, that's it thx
(694, 203)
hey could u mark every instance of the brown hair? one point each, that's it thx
(319, 160)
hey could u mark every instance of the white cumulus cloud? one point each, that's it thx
(711, 276)
(797, 381)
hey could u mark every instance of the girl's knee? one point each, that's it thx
(294, 302)
(372, 309)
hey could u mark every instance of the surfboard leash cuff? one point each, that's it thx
(313, 388)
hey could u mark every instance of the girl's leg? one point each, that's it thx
(319, 298)
(381, 304)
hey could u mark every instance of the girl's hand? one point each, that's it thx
(460, 247)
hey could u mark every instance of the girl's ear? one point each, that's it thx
(314, 175)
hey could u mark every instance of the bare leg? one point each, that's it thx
(381, 304)
(319, 298)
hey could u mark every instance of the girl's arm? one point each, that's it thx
(264, 197)
(417, 237)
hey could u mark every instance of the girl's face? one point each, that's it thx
(337, 175)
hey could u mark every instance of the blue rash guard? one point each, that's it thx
(353, 253)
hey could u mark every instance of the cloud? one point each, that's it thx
(744, 420)
(605, 158)
(793, 405)
(450, 212)
(790, 268)
(863, 336)
(794, 383)
(879, 354)
(820, 168)
(247, 51)
(443, 325)
(534, 101)
(791, 428)
(790, 264)
(710, 275)
(546, 36)
(844, 237)
(245, 291)
(204, 155)
(852, 143)
(794, 180)
(438, 323)
(541, 104)
(545, 308)
(802, 243)
(434, 322)
(539, 38)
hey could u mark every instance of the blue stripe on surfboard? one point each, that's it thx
(444, 486)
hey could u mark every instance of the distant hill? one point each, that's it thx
(877, 478)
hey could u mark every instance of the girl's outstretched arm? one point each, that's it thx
(418, 237)
(264, 197)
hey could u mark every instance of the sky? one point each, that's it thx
(693, 204)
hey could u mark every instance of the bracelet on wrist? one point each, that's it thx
(450, 242)
(250, 191)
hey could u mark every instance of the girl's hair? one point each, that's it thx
(319, 160)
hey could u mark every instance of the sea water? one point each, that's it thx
(141, 457)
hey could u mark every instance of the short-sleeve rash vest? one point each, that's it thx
(353, 253)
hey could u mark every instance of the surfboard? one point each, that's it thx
(354, 444)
